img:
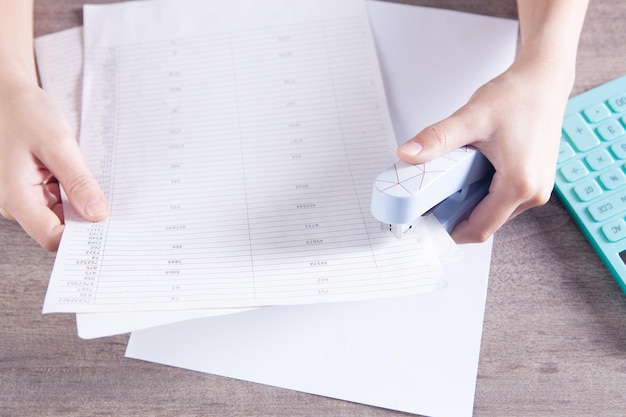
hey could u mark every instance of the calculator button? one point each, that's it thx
(619, 149)
(579, 132)
(615, 230)
(573, 171)
(597, 113)
(587, 190)
(618, 103)
(613, 178)
(608, 207)
(599, 160)
(566, 152)
(610, 130)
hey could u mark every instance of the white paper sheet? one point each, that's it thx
(434, 60)
(237, 157)
(93, 325)
(415, 354)
(60, 65)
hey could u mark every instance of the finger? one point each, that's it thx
(437, 139)
(83, 192)
(495, 209)
(52, 193)
(6, 214)
(32, 212)
(54, 199)
(44, 227)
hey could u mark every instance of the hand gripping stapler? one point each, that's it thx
(449, 187)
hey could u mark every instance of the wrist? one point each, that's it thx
(550, 30)
(549, 67)
(17, 56)
(16, 75)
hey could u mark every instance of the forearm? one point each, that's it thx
(16, 39)
(550, 30)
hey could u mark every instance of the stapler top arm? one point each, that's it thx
(450, 186)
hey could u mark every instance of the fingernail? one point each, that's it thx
(411, 148)
(96, 207)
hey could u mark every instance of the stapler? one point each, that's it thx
(449, 187)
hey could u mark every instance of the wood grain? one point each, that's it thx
(554, 340)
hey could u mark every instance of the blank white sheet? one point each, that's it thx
(416, 354)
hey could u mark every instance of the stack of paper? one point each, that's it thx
(237, 146)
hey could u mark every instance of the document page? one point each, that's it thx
(236, 144)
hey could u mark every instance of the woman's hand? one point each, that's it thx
(37, 148)
(515, 121)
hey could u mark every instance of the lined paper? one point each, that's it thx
(238, 159)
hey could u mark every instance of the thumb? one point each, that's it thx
(85, 195)
(66, 163)
(437, 139)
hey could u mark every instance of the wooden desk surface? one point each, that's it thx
(554, 339)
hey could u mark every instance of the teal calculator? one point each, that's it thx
(591, 170)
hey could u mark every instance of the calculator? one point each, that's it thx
(591, 170)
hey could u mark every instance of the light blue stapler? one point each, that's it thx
(449, 187)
